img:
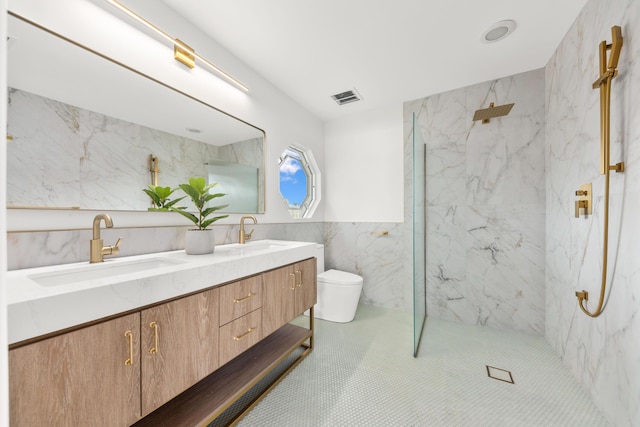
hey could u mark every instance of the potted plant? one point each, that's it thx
(160, 197)
(200, 240)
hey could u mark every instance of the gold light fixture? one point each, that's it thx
(181, 51)
(186, 56)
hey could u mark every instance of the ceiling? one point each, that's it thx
(389, 51)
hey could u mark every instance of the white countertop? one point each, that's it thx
(35, 309)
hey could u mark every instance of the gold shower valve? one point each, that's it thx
(581, 206)
(584, 205)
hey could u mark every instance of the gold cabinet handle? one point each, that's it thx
(239, 337)
(237, 300)
(154, 349)
(129, 361)
(293, 281)
(299, 279)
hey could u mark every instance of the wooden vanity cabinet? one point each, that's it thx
(288, 291)
(179, 346)
(88, 377)
(181, 362)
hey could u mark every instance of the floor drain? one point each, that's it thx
(499, 374)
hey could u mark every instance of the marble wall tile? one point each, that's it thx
(485, 198)
(36, 249)
(505, 265)
(380, 259)
(602, 352)
(446, 266)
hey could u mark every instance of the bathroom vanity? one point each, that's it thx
(159, 339)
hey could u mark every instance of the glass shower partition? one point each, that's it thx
(419, 236)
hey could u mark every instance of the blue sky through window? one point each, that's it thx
(293, 181)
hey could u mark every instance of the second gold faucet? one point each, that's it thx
(243, 237)
(97, 250)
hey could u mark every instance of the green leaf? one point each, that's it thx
(212, 209)
(198, 184)
(163, 192)
(191, 217)
(209, 187)
(191, 192)
(173, 202)
(154, 197)
(208, 222)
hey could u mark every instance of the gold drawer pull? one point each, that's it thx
(239, 337)
(129, 361)
(300, 279)
(237, 300)
(154, 349)
(293, 281)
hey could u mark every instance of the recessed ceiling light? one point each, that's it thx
(194, 130)
(498, 31)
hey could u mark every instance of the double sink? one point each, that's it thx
(46, 299)
(65, 275)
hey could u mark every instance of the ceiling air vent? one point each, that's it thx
(346, 97)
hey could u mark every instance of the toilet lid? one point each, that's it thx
(340, 277)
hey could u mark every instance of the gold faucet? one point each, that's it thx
(97, 250)
(243, 236)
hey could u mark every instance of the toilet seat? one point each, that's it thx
(339, 278)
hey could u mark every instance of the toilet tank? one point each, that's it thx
(320, 258)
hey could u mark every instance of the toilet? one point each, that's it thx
(338, 292)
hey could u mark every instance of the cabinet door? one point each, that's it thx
(78, 379)
(306, 278)
(278, 296)
(179, 346)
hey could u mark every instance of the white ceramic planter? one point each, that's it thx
(199, 242)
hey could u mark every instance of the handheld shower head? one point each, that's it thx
(616, 45)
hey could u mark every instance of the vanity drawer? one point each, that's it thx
(240, 298)
(239, 335)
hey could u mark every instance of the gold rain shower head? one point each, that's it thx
(492, 112)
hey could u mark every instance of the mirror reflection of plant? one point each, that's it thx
(198, 192)
(160, 198)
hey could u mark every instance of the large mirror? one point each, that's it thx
(86, 132)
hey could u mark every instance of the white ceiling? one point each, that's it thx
(391, 51)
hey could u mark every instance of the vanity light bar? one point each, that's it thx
(182, 52)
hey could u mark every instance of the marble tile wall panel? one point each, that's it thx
(36, 249)
(485, 204)
(603, 352)
(380, 259)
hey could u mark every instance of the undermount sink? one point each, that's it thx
(249, 248)
(65, 276)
